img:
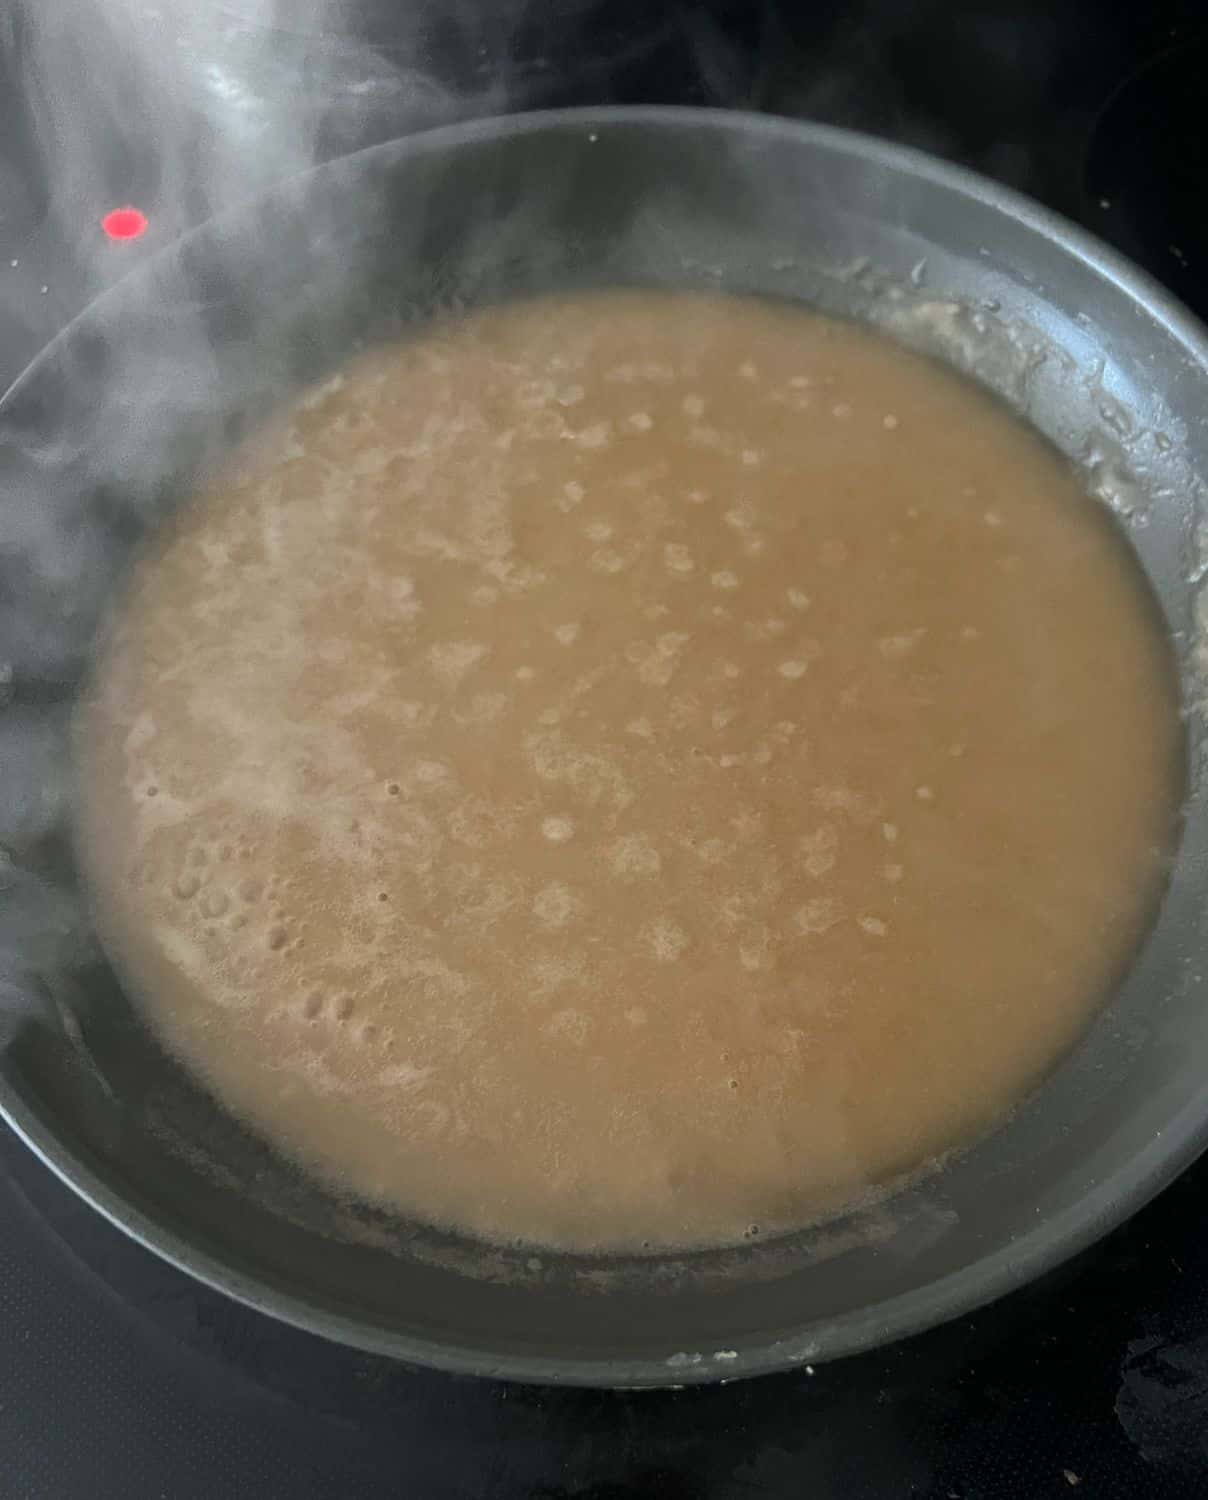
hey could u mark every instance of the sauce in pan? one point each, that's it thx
(632, 769)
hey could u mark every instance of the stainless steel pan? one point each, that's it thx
(106, 430)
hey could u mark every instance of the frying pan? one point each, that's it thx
(109, 428)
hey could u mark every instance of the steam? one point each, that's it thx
(204, 103)
(186, 108)
(189, 109)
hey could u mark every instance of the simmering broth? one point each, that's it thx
(630, 769)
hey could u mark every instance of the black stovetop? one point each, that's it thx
(121, 1377)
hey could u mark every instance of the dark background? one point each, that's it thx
(119, 1376)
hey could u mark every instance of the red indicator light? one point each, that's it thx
(124, 223)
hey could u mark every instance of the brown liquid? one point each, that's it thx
(630, 768)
